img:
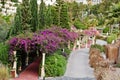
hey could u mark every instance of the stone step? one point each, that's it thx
(69, 78)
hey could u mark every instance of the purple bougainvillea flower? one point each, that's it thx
(47, 41)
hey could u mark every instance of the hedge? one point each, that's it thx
(4, 53)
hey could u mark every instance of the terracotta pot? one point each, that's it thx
(12, 73)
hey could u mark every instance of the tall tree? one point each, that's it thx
(58, 9)
(26, 15)
(75, 10)
(55, 13)
(64, 18)
(34, 15)
(42, 10)
(49, 18)
(17, 22)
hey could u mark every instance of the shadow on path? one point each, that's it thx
(31, 72)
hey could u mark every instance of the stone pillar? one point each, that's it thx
(86, 41)
(38, 53)
(69, 45)
(43, 66)
(74, 46)
(86, 45)
(78, 44)
(15, 63)
(93, 40)
(27, 59)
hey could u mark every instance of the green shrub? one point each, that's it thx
(5, 23)
(66, 52)
(111, 38)
(106, 29)
(79, 25)
(100, 47)
(55, 65)
(4, 53)
(115, 31)
(14, 0)
(118, 65)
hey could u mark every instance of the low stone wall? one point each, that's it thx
(95, 58)
(104, 69)
(113, 52)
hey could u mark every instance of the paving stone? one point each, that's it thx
(70, 78)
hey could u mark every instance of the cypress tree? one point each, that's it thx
(58, 9)
(49, 18)
(64, 16)
(17, 27)
(34, 15)
(55, 14)
(26, 15)
(42, 10)
(75, 10)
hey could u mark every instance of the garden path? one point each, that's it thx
(78, 65)
(31, 72)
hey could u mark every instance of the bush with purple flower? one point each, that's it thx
(47, 41)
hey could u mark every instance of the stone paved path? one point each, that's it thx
(70, 78)
(78, 64)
